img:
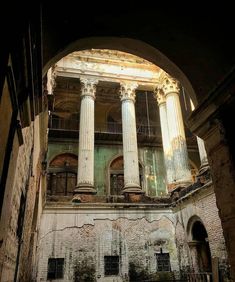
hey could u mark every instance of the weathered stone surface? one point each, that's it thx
(84, 234)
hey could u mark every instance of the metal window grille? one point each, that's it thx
(111, 265)
(55, 268)
(163, 262)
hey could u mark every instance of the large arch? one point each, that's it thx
(215, 36)
(128, 45)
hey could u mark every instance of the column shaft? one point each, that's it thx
(176, 132)
(202, 152)
(168, 154)
(130, 150)
(85, 180)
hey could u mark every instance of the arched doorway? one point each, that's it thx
(199, 246)
(116, 176)
(200, 237)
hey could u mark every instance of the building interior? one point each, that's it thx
(117, 144)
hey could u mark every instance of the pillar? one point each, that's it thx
(201, 148)
(168, 154)
(171, 89)
(202, 154)
(130, 151)
(85, 180)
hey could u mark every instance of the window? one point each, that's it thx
(163, 262)
(111, 265)
(55, 268)
(62, 183)
(117, 176)
(117, 184)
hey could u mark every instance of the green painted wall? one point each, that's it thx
(150, 158)
(103, 157)
(57, 148)
(153, 162)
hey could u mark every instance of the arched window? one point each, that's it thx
(117, 176)
(62, 175)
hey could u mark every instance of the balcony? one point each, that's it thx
(111, 131)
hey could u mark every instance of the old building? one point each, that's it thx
(128, 194)
(116, 152)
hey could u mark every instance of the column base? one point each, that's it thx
(203, 168)
(133, 193)
(84, 193)
(84, 188)
(132, 188)
(204, 174)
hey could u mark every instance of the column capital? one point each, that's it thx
(127, 90)
(170, 85)
(159, 96)
(88, 86)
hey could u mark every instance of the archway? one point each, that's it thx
(199, 245)
(128, 45)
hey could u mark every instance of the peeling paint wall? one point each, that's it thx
(85, 236)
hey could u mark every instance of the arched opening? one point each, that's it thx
(200, 237)
(116, 176)
(193, 47)
(62, 175)
(132, 46)
(199, 246)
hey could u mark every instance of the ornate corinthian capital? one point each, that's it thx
(159, 96)
(170, 85)
(88, 86)
(127, 90)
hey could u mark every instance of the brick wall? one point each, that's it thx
(85, 236)
(23, 179)
(202, 206)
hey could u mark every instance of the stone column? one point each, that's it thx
(130, 150)
(168, 154)
(85, 180)
(202, 154)
(171, 90)
(51, 76)
(201, 147)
